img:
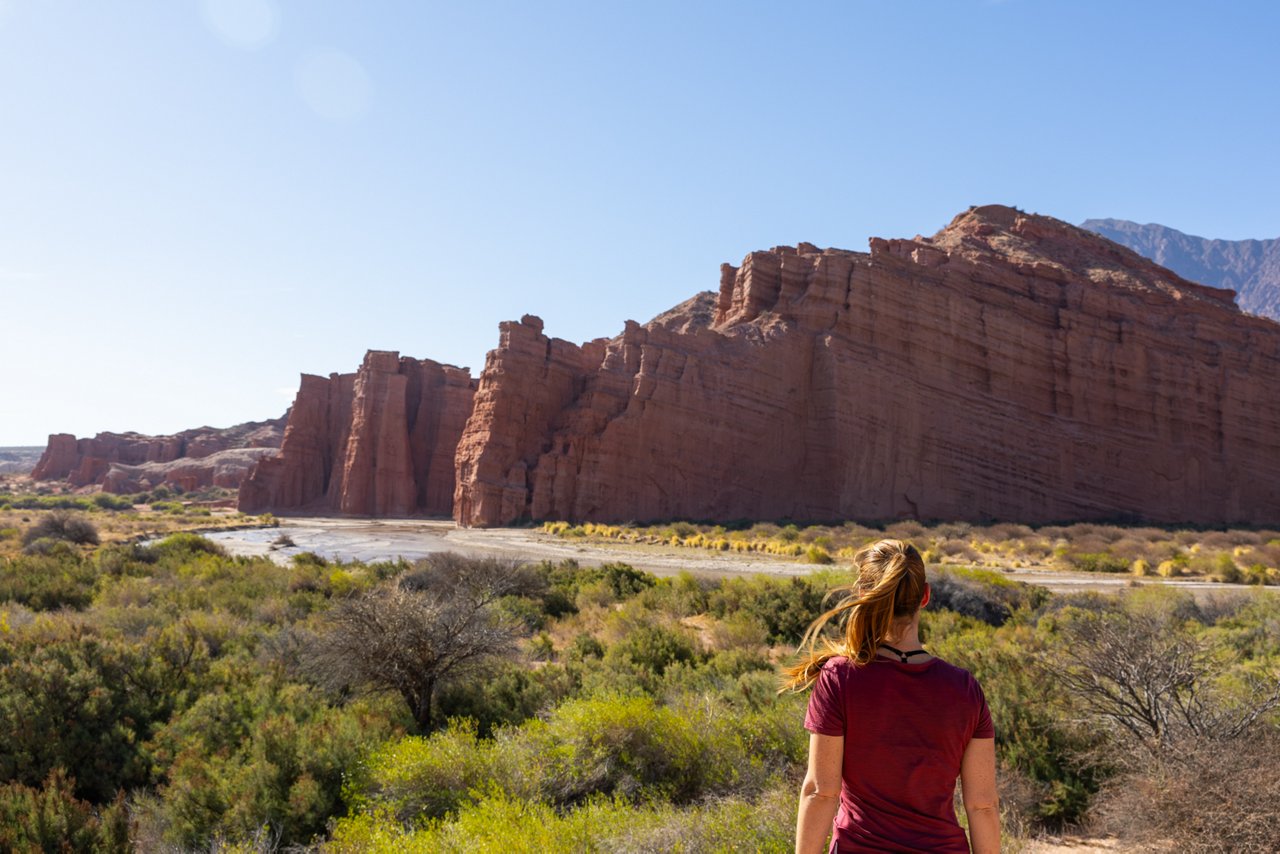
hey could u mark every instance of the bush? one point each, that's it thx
(1098, 562)
(47, 580)
(817, 554)
(75, 700)
(616, 744)
(1215, 796)
(179, 547)
(51, 818)
(262, 753)
(584, 646)
(496, 821)
(107, 501)
(59, 525)
(510, 695)
(653, 648)
(969, 597)
(49, 547)
(785, 607)
(417, 778)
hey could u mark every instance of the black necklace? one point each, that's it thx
(904, 657)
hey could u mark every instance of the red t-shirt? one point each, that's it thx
(905, 728)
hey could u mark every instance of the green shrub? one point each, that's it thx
(183, 546)
(261, 753)
(81, 701)
(495, 821)
(681, 596)
(1098, 562)
(49, 547)
(48, 579)
(615, 744)
(653, 648)
(584, 646)
(50, 817)
(107, 501)
(1225, 570)
(817, 554)
(509, 695)
(67, 527)
(416, 778)
(785, 607)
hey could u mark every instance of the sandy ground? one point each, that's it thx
(387, 539)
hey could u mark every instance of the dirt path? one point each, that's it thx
(386, 539)
(1070, 845)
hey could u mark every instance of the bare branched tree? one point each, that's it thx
(1151, 679)
(412, 634)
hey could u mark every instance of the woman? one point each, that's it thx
(891, 727)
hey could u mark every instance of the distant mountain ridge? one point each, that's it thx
(1251, 268)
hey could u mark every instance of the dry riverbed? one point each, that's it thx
(387, 539)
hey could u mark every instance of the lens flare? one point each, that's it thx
(248, 24)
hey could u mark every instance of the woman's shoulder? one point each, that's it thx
(837, 663)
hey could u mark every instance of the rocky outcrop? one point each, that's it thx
(1249, 267)
(131, 462)
(1011, 367)
(379, 442)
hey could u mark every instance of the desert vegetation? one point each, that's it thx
(38, 521)
(1234, 556)
(172, 697)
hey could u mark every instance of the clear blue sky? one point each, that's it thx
(200, 200)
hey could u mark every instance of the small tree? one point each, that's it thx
(411, 635)
(1150, 678)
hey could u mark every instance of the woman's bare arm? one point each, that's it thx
(978, 790)
(820, 794)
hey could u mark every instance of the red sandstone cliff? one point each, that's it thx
(1011, 367)
(379, 442)
(131, 462)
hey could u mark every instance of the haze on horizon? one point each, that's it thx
(203, 199)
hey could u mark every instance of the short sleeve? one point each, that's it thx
(984, 728)
(826, 714)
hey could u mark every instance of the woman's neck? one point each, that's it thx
(907, 639)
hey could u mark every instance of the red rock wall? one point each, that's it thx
(378, 442)
(131, 462)
(528, 381)
(1012, 367)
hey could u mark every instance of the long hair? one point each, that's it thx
(890, 587)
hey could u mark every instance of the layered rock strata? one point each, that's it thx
(1011, 367)
(132, 462)
(379, 442)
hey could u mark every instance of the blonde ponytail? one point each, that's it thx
(890, 587)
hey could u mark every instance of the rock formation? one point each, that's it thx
(1249, 267)
(131, 462)
(1012, 367)
(379, 442)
